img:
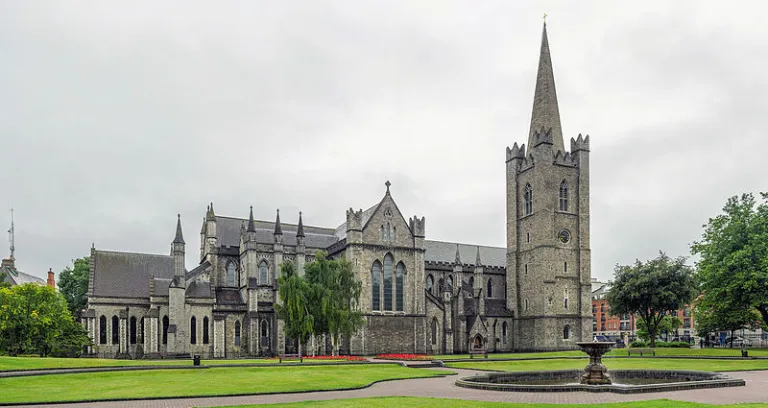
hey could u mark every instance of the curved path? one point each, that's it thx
(443, 387)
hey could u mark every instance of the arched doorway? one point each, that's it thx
(477, 342)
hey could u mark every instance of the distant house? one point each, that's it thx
(17, 277)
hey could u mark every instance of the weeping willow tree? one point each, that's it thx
(295, 307)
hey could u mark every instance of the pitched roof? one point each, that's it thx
(126, 274)
(438, 251)
(198, 289)
(228, 296)
(17, 277)
(341, 230)
(496, 308)
(228, 233)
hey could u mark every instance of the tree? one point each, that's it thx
(73, 284)
(714, 316)
(652, 290)
(3, 282)
(733, 268)
(294, 308)
(334, 294)
(35, 319)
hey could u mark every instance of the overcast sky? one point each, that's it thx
(113, 120)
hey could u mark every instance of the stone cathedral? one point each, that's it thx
(419, 295)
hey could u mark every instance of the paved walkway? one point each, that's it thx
(756, 390)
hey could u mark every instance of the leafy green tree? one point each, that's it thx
(651, 290)
(294, 309)
(733, 268)
(667, 325)
(73, 284)
(3, 282)
(714, 316)
(33, 319)
(334, 294)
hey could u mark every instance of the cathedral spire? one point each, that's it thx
(251, 225)
(278, 227)
(458, 255)
(179, 237)
(477, 258)
(546, 114)
(300, 230)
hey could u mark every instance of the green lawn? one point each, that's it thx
(386, 402)
(714, 352)
(25, 363)
(205, 382)
(615, 364)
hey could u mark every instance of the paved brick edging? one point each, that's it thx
(464, 360)
(245, 394)
(53, 371)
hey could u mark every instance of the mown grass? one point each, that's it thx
(202, 382)
(28, 363)
(386, 402)
(710, 352)
(615, 364)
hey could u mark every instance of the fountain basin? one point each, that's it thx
(624, 381)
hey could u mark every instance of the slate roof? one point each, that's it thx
(126, 274)
(17, 277)
(161, 286)
(199, 270)
(228, 233)
(439, 251)
(496, 307)
(198, 289)
(228, 296)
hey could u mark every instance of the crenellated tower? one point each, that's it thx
(548, 255)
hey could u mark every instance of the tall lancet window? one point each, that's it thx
(399, 292)
(564, 196)
(528, 200)
(231, 274)
(388, 282)
(263, 271)
(376, 286)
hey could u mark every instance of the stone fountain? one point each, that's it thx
(595, 373)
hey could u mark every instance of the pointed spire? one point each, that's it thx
(478, 262)
(179, 237)
(546, 113)
(251, 224)
(458, 255)
(300, 230)
(278, 227)
(210, 215)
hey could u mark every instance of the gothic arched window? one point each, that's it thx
(450, 283)
(472, 282)
(388, 230)
(141, 330)
(564, 196)
(430, 283)
(193, 330)
(132, 334)
(263, 271)
(504, 333)
(205, 330)
(376, 285)
(165, 329)
(434, 331)
(490, 288)
(237, 333)
(399, 291)
(115, 330)
(230, 274)
(567, 332)
(102, 330)
(388, 281)
(528, 200)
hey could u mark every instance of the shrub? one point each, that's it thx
(640, 343)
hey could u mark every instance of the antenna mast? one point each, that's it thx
(11, 235)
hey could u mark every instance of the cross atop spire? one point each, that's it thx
(179, 237)
(387, 184)
(546, 113)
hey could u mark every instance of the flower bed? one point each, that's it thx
(406, 357)
(336, 358)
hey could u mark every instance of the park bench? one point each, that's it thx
(641, 351)
(291, 357)
(472, 353)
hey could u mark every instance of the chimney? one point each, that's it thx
(8, 262)
(51, 282)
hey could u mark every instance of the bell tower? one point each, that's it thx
(548, 252)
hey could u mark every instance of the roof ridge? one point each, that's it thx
(130, 253)
(460, 243)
